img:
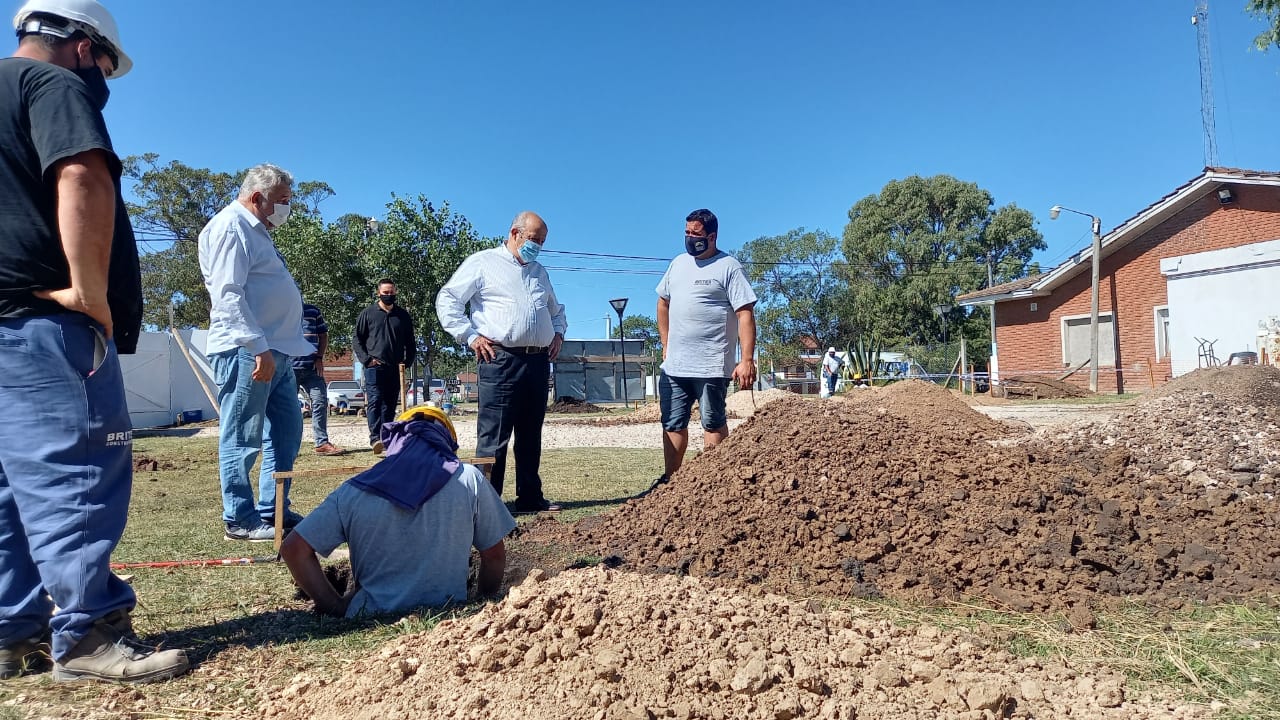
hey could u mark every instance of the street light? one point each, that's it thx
(620, 304)
(1093, 297)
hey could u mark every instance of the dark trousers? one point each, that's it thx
(513, 398)
(382, 395)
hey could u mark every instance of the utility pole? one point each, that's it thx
(1201, 21)
(1093, 307)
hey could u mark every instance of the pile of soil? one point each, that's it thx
(146, 463)
(603, 644)
(1044, 388)
(744, 403)
(903, 496)
(573, 405)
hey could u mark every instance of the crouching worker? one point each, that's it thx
(410, 522)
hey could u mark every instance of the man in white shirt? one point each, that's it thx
(255, 328)
(516, 328)
(831, 364)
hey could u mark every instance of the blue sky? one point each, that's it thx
(615, 119)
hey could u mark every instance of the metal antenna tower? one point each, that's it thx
(1201, 21)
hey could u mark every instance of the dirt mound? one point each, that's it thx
(1041, 388)
(573, 405)
(1256, 385)
(921, 401)
(603, 644)
(744, 404)
(862, 498)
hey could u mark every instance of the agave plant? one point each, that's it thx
(864, 358)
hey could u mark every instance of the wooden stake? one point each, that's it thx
(208, 392)
(1151, 373)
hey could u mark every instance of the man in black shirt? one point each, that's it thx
(384, 343)
(70, 300)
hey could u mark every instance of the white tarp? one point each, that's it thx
(160, 385)
(1219, 296)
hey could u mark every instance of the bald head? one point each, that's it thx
(527, 227)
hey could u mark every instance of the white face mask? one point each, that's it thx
(281, 214)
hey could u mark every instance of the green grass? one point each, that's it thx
(1091, 400)
(246, 629)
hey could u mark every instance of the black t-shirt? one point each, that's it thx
(46, 115)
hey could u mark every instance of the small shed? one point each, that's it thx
(593, 370)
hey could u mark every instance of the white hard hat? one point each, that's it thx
(88, 16)
(831, 349)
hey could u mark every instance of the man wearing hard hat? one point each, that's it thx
(410, 522)
(70, 300)
(831, 364)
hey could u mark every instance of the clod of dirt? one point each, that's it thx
(599, 643)
(143, 463)
(1142, 506)
(573, 405)
(1042, 388)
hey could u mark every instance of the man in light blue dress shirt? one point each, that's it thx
(255, 328)
(515, 329)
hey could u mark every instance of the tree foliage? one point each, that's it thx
(799, 290)
(920, 242)
(1269, 12)
(643, 327)
(419, 245)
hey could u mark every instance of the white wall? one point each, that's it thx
(1219, 295)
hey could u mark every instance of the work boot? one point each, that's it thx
(111, 652)
(24, 657)
(377, 446)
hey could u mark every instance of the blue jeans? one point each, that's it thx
(382, 395)
(247, 409)
(677, 394)
(66, 474)
(313, 383)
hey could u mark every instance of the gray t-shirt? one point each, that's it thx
(702, 335)
(408, 559)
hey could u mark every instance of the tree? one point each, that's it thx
(920, 242)
(643, 327)
(1269, 12)
(419, 246)
(324, 262)
(799, 288)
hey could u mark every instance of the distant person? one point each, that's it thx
(515, 329)
(410, 522)
(384, 344)
(70, 300)
(255, 328)
(831, 364)
(309, 372)
(706, 310)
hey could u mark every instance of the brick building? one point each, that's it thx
(1201, 263)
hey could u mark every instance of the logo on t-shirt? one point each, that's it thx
(705, 281)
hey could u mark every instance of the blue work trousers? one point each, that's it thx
(256, 417)
(66, 474)
(318, 394)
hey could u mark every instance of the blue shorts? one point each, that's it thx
(676, 396)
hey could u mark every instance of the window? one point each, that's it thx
(1075, 340)
(1162, 332)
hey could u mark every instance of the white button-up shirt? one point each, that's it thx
(255, 304)
(511, 304)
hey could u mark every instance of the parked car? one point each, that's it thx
(345, 396)
(436, 393)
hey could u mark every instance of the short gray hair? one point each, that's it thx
(262, 178)
(521, 221)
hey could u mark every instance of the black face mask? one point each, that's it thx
(96, 82)
(387, 299)
(695, 245)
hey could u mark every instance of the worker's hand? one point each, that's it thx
(72, 299)
(483, 348)
(745, 373)
(320, 367)
(554, 350)
(264, 367)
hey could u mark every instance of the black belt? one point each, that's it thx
(524, 349)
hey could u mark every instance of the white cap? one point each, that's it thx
(88, 16)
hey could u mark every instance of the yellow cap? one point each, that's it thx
(428, 412)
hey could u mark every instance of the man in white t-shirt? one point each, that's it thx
(706, 310)
(831, 364)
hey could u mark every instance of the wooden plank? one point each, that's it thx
(208, 392)
(290, 474)
(1077, 369)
